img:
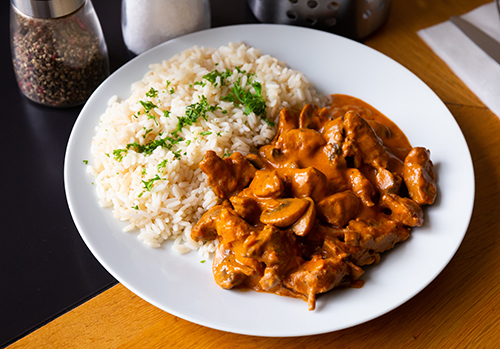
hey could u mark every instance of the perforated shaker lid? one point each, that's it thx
(47, 8)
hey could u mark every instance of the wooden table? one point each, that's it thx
(459, 309)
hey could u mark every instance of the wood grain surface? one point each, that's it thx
(459, 309)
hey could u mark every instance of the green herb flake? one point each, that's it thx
(194, 112)
(162, 164)
(148, 106)
(213, 75)
(252, 102)
(151, 116)
(86, 162)
(206, 133)
(171, 90)
(177, 154)
(118, 154)
(152, 93)
(148, 185)
(149, 147)
(147, 131)
(202, 261)
(239, 70)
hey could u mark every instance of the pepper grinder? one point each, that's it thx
(58, 50)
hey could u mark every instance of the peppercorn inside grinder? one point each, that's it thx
(58, 50)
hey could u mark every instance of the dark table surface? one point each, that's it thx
(45, 267)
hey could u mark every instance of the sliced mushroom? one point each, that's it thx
(305, 223)
(285, 213)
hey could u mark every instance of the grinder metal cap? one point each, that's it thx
(47, 8)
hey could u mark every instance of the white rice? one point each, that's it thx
(180, 195)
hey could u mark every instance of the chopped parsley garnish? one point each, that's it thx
(240, 96)
(212, 76)
(252, 102)
(118, 154)
(177, 154)
(171, 90)
(194, 112)
(148, 106)
(239, 70)
(86, 162)
(151, 116)
(152, 93)
(149, 147)
(162, 164)
(148, 185)
(226, 154)
(146, 132)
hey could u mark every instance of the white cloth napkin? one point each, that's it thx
(474, 67)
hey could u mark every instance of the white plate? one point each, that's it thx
(182, 286)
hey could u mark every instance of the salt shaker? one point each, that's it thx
(147, 23)
(58, 50)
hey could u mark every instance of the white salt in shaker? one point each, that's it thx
(147, 23)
